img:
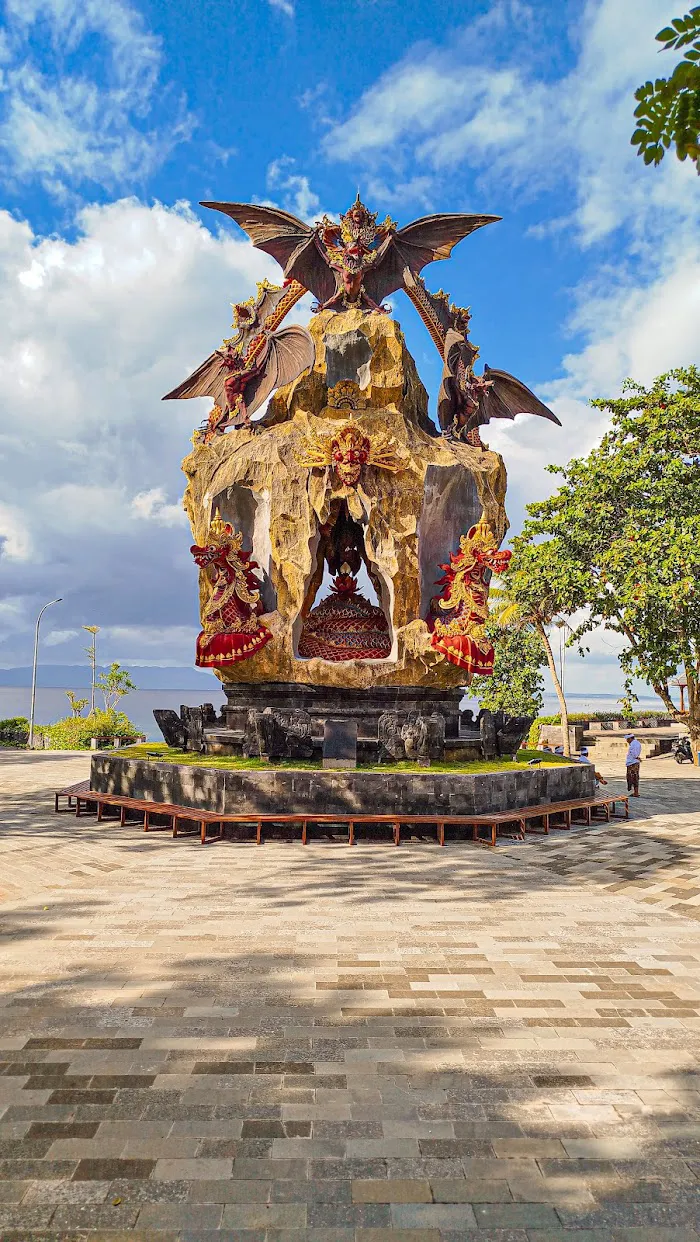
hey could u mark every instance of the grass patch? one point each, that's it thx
(551, 759)
(158, 752)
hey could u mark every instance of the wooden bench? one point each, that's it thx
(523, 816)
(89, 797)
(84, 798)
(69, 792)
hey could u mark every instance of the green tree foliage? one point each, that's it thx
(624, 531)
(76, 732)
(516, 685)
(534, 592)
(114, 684)
(14, 731)
(668, 109)
(77, 705)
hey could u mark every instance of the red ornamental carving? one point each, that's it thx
(232, 629)
(459, 612)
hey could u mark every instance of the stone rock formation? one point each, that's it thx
(357, 457)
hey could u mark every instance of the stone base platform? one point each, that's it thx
(267, 790)
(321, 702)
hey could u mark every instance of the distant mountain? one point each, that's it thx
(77, 677)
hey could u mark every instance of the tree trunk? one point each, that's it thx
(693, 711)
(663, 693)
(557, 686)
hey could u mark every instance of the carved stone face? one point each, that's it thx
(349, 453)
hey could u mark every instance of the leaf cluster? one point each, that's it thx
(76, 732)
(624, 528)
(114, 684)
(516, 685)
(668, 109)
(14, 731)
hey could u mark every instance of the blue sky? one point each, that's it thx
(116, 118)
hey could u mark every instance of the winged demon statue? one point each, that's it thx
(467, 401)
(356, 261)
(252, 364)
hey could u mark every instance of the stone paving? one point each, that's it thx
(278, 1044)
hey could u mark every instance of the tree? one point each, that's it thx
(669, 108)
(114, 684)
(534, 592)
(76, 704)
(624, 528)
(91, 653)
(516, 685)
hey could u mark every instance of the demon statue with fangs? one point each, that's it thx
(467, 401)
(460, 611)
(320, 460)
(231, 630)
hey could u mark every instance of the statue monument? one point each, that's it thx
(344, 542)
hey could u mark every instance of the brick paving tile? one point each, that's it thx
(391, 1191)
(287, 1045)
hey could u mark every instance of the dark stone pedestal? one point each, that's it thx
(325, 702)
(340, 744)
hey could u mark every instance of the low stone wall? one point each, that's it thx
(318, 792)
(553, 735)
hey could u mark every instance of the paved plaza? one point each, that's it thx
(281, 1044)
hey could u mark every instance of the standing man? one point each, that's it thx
(634, 755)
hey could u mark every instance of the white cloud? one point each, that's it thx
(153, 506)
(135, 643)
(13, 620)
(15, 543)
(283, 6)
(441, 109)
(638, 330)
(96, 124)
(91, 473)
(297, 195)
(631, 329)
(56, 637)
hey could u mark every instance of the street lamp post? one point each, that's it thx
(36, 654)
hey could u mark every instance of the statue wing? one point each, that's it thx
(290, 241)
(207, 381)
(292, 351)
(419, 243)
(508, 397)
